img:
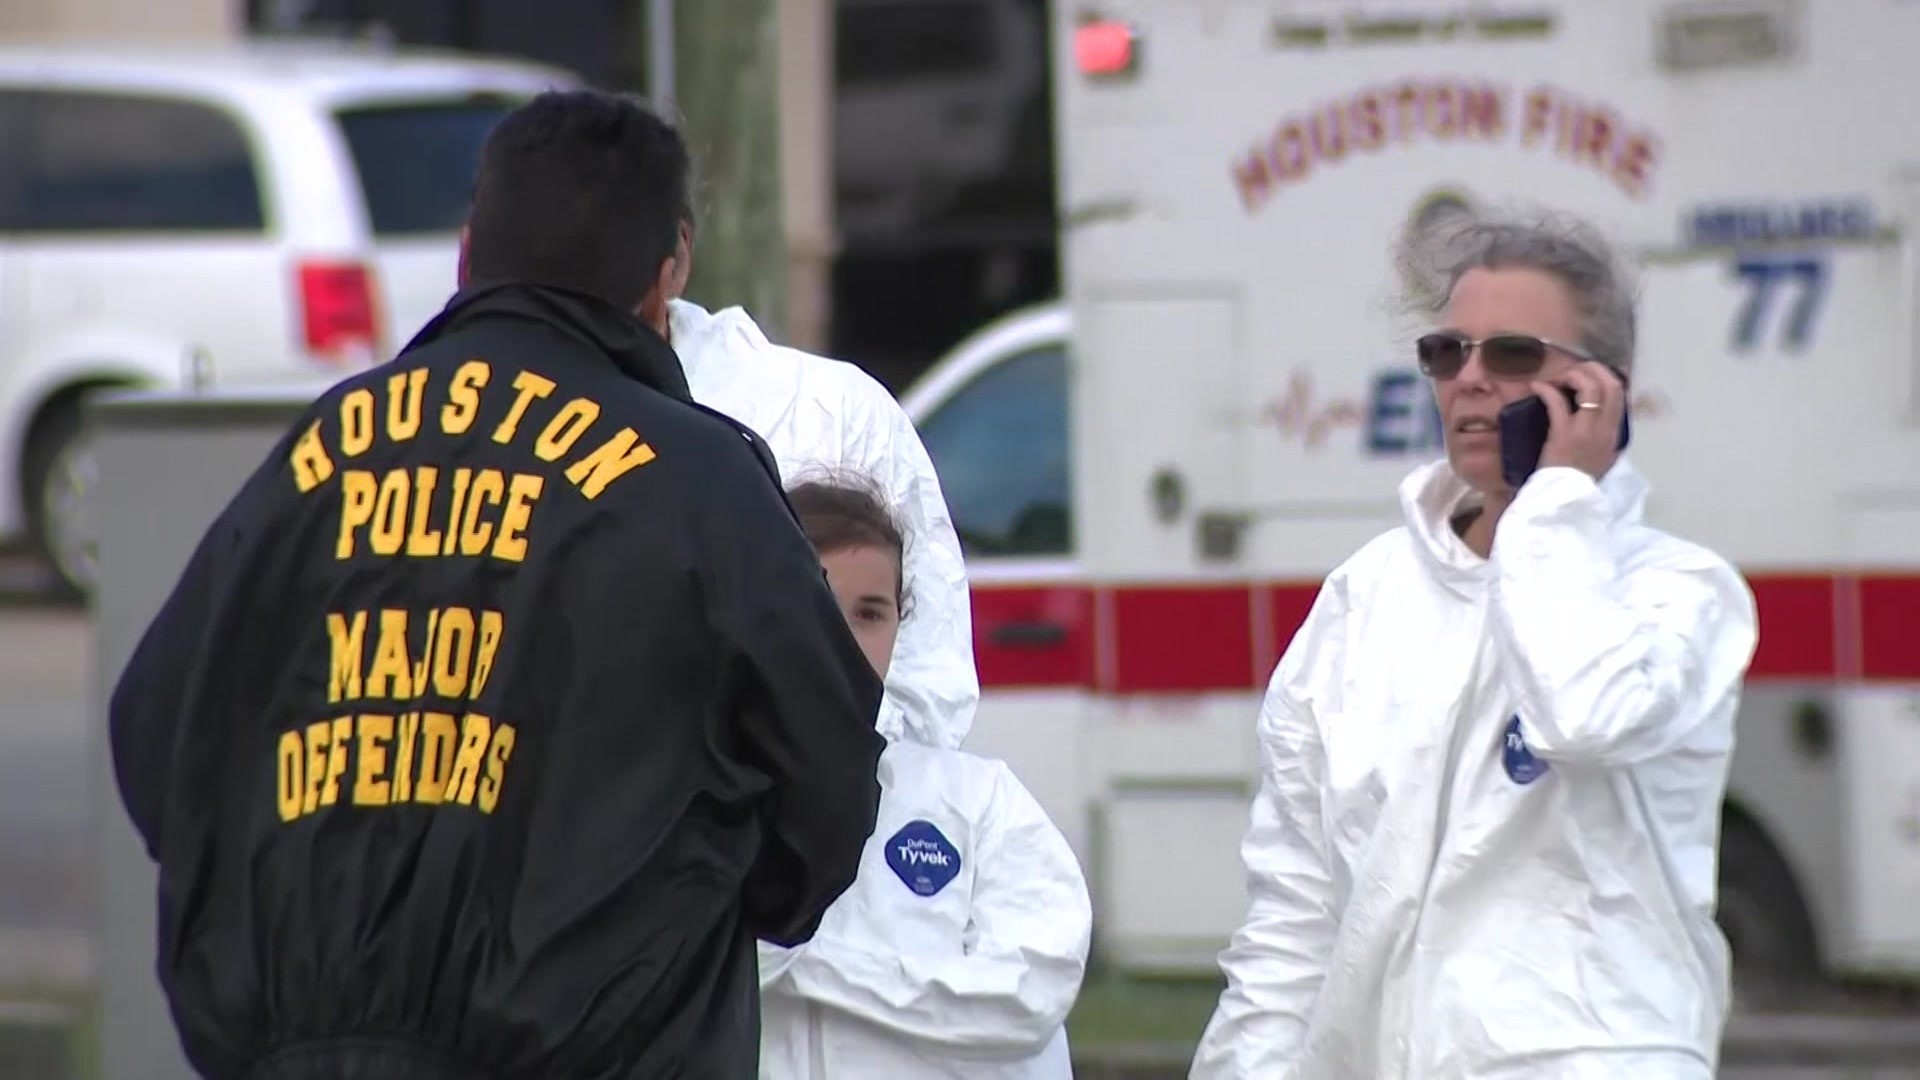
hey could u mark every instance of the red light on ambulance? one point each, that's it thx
(1104, 48)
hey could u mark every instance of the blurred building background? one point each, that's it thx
(126, 19)
(939, 169)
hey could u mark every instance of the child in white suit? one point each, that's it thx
(960, 947)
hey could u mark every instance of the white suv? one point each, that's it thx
(252, 213)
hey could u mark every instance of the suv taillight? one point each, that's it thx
(337, 311)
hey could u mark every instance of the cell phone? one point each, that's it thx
(1523, 434)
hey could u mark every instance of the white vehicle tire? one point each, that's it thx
(60, 476)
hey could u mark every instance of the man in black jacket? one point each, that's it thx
(506, 704)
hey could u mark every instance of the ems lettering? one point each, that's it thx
(1402, 415)
(1398, 415)
(439, 511)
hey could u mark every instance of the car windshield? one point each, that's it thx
(416, 160)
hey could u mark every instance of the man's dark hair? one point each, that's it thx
(580, 189)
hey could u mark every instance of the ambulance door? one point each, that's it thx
(1879, 749)
(1170, 729)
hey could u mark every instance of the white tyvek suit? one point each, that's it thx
(813, 413)
(958, 951)
(960, 947)
(1484, 841)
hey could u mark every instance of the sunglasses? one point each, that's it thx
(1505, 356)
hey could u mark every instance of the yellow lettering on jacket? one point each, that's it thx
(405, 394)
(463, 397)
(407, 512)
(407, 732)
(613, 459)
(311, 465)
(439, 508)
(527, 386)
(368, 761)
(450, 656)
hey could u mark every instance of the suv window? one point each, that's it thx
(107, 162)
(1000, 445)
(417, 161)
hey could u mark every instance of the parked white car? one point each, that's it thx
(257, 213)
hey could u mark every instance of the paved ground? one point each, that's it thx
(1098, 1070)
(1784, 1047)
(46, 893)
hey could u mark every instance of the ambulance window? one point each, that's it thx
(1000, 445)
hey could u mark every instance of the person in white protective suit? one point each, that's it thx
(814, 412)
(961, 945)
(1493, 757)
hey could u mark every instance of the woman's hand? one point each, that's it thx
(1586, 437)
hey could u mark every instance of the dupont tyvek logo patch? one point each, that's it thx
(1522, 767)
(923, 858)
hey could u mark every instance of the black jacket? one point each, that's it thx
(492, 721)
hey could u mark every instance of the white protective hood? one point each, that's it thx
(1483, 845)
(961, 945)
(819, 414)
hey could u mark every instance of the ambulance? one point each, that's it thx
(1153, 476)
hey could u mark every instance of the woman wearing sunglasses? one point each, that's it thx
(1494, 755)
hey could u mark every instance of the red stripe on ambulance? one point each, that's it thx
(1168, 638)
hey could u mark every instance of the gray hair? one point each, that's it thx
(1432, 261)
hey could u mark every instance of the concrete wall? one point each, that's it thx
(168, 464)
(123, 20)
